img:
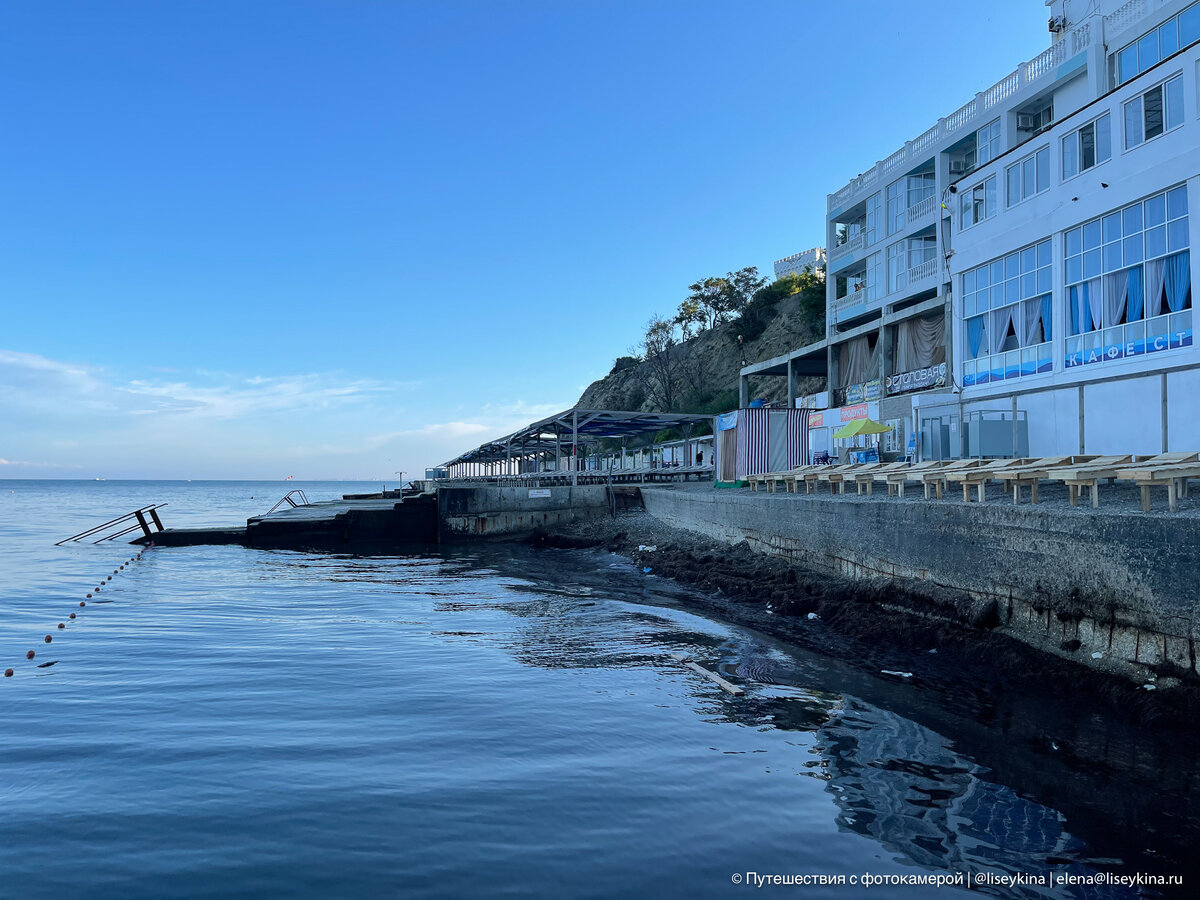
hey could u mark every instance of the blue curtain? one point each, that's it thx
(1047, 317)
(1134, 302)
(975, 335)
(1178, 280)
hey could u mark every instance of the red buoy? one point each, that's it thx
(48, 639)
(72, 615)
(89, 596)
(8, 673)
(62, 625)
(81, 603)
(30, 655)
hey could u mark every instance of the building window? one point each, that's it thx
(896, 267)
(1028, 176)
(987, 143)
(1008, 310)
(1157, 110)
(1087, 146)
(896, 206)
(978, 203)
(872, 220)
(910, 261)
(1128, 279)
(1156, 45)
(874, 277)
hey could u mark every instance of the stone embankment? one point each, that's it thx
(944, 633)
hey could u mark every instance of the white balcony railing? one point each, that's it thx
(855, 243)
(921, 209)
(922, 271)
(853, 299)
(1043, 65)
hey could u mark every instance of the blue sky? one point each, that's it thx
(340, 239)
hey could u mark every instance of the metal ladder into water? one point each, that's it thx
(121, 526)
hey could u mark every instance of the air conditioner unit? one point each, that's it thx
(1026, 122)
(958, 167)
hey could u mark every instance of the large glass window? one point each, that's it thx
(1157, 110)
(897, 270)
(1028, 176)
(910, 261)
(1128, 279)
(872, 220)
(978, 203)
(920, 188)
(1086, 147)
(1156, 45)
(1007, 307)
(874, 277)
(897, 206)
(987, 143)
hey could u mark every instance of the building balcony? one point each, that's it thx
(921, 210)
(853, 301)
(855, 243)
(922, 272)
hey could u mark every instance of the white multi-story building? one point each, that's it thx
(796, 263)
(1020, 272)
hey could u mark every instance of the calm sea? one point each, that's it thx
(491, 722)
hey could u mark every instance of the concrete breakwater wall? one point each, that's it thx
(1075, 584)
(475, 511)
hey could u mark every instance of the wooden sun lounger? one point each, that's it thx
(1089, 475)
(980, 475)
(867, 478)
(936, 478)
(793, 479)
(1034, 472)
(895, 480)
(836, 476)
(1173, 475)
(863, 471)
(810, 476)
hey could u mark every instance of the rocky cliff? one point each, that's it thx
(708, 364)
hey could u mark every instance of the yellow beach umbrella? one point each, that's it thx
(860, 426)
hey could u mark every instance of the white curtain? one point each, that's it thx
(1116, 292)
(1155, 273)
(1095, 304)
(1033, 322)
(998, 327)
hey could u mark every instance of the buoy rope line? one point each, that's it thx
(31, 655)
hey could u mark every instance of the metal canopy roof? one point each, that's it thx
(589, 424)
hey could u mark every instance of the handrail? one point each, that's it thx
(287, 498)
(138, 514)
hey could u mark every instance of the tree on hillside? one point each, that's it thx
(715, 300)
(690, 318)
(744, 283)
(660, 349)
(711, 298)
(758, 313)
